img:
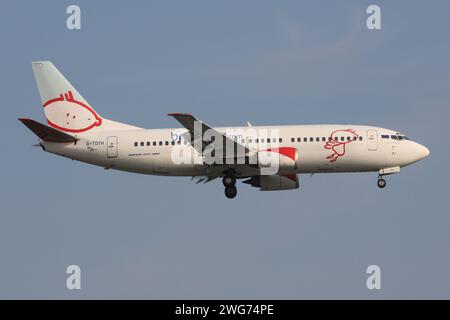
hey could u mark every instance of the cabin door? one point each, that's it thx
(372, 140)
(111, 147)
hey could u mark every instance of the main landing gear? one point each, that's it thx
(229, 182)
(381, 182)
(230, 192)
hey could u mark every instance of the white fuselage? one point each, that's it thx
(268, 157)
(150, 151)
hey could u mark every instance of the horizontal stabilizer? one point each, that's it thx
(47, 133)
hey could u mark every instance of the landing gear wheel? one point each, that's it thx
(229, 181)
(230, 192)
(381, 183)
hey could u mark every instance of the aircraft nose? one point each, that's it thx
(422, 151)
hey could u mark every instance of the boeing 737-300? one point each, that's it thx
(267, 157)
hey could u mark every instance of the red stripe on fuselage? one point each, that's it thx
(285, 151)
(292, 176)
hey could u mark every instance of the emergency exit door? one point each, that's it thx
(372, 140)
(111, 148)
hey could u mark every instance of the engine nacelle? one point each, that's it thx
(277, 160)
(275, 182)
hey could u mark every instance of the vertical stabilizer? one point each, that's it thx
(64, 107)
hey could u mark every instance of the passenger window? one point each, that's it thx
(324, 139)
(179, 142)
(311, 139)
(148, 143)
(173, 143)
(136, 144)
(317, 139)
(394, 137)
(305, 139)
(349, 138)
(160, 143)
(154, 143)
(249, 140)
(336, 138)
(360, 138)
(142, 144)
(167, 143)
(342, 138)
(256, 140)
(354, 138)
(262, 140)
(330, 139)
(280, 140)
(292, 139)
(299, 139)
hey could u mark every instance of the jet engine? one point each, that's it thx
(275, 182)
(281, 160)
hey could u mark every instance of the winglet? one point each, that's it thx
(47, 133)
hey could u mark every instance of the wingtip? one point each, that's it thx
(37, 65)
(177, 114)
(40, 61)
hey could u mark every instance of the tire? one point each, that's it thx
(229, 181)
(381, 183)
(230, 192)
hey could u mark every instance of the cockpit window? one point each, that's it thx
(400, 137)
(394, 137)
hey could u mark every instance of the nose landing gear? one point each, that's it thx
(381, 182)
(385, 172)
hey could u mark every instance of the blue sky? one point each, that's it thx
(227, 62)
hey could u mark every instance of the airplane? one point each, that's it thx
(266, 157)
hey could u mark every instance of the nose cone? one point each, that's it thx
(422, 152)
(412, 152)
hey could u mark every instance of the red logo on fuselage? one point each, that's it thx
(67, 114)
(337, 142)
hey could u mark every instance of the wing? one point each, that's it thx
(204, 179)
(202, 136)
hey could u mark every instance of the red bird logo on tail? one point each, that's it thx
(68, 114)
